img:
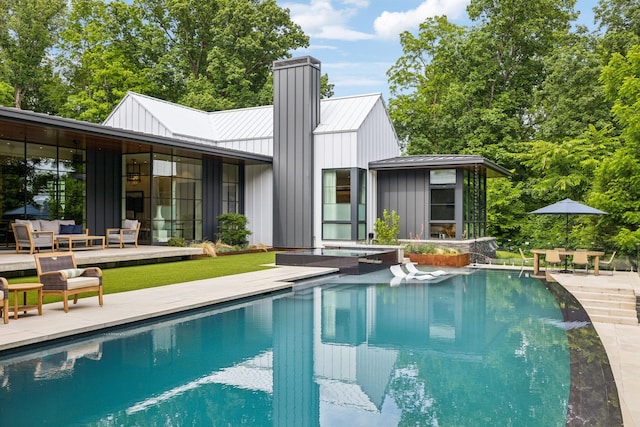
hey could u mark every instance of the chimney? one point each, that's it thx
(296, 113)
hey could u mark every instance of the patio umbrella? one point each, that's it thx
(568, 207)
(28, 210)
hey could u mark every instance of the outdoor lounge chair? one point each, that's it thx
(4, 293)
(399, 272)
(524, 258)
(59, 274)
(413, 270)
(26, 238)
(128, 234)
(580, 258)
(610, 263)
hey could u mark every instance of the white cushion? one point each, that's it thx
(130, 223)
(82, 282)
(33, 226)
(46, 225)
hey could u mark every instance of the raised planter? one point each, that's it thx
(449, 260)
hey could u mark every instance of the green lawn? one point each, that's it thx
(148, 276)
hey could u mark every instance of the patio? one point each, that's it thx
(14, 264)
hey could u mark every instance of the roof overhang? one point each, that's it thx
(44, 120)
(446, 161)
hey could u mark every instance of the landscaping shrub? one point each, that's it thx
(387, 229)
(232, 229)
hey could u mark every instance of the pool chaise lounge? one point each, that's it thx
(412, 269)
(398, 272)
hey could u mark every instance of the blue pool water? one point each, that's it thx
(486, 348)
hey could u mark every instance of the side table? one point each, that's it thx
(24, 288)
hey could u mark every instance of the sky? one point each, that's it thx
(357, 41)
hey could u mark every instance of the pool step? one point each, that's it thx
(608, 304)
(614, 319)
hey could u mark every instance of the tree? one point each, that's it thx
(426, 90)
(102, 58)
(505, 209)
(28, 31)
(223, 49)
(470, 90)
(326, 88)
(621, 79)
(616, 188)
(571, 97)
(621, 21)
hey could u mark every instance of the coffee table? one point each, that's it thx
(24, 288)
(69, 239)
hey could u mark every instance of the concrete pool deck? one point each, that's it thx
(621, 341)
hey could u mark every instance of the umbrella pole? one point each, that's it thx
(566, 244)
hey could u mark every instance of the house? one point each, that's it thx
(305, 171)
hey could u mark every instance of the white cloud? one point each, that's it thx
(322, 47)
(320, 19)
(391, 24)
(357, 3)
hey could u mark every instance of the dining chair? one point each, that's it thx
(552, 257)
(524, 258)
(610, 263)
(580, 258)
(562, 256)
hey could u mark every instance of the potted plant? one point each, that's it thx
(429, 254)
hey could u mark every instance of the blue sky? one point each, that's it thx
(357, 41)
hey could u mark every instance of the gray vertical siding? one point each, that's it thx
(405, 192)
(103, 190)
(296, 113)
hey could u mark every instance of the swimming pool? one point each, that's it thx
(485, 348)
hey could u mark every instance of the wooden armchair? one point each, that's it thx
(26, 238)
(4, 293)
(128, 234)
(59, 274)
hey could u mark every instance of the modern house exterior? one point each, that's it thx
(305, 172)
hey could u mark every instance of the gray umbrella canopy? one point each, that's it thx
(28, 210)
(568, 207)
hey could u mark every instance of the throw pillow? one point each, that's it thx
(66, 229)
(73, 272)
(77, 229)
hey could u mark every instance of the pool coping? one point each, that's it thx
(129, 307)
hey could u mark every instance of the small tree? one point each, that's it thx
(232, 228)
(387, 229)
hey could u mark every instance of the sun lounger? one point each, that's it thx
(397, 271)
(412, 269)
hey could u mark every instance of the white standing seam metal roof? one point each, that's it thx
(178, 119)
(345, 114)
(247, 123)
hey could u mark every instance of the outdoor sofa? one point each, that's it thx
(36, 234)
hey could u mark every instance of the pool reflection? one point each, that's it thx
(474, 347)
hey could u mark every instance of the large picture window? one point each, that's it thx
(442, 184)
(163, 192)
(344, 204)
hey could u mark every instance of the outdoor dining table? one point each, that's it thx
(595, 254)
